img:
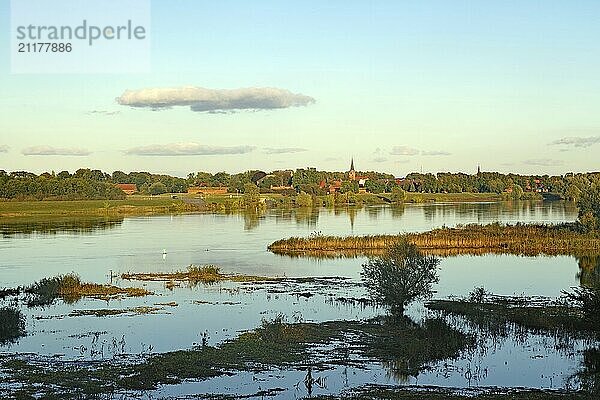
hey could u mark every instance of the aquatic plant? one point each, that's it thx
(589, 375)
(194, 274)
(588, 299)
(495, 313)
(275, 343)
(12, 326)
(70, 288)
(525, 239)
(400, 276)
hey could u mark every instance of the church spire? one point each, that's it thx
(352, 172)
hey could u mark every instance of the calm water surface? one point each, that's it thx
(34, 250)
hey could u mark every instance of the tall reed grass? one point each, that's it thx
(523, 239)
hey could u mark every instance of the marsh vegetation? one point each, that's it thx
(335, 337)
(521, 239)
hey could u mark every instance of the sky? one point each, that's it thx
(400, 86)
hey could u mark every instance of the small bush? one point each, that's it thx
(402, 275)
(12, 325)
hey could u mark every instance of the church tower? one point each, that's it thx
(352, 172)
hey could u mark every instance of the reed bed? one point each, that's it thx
(70, 288)
(521, 239)
(195, 274)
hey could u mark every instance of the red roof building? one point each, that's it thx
(128, 188)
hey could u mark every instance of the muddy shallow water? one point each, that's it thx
(181, 317)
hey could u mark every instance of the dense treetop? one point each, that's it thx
(96, 184)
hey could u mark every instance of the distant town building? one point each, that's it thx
(335, 187)
(128, 188)
(352, 172)
(361, 179)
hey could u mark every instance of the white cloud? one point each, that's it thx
(577, 141)
(544, 162)
(214, 100)
(404, 151)
(103, 112)
(283, 150)
(186, 149)
(379, 159)
(55, 151)
(4, 148)
(435, 153)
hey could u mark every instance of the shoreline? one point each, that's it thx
(183, 203)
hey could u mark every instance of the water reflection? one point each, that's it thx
(589, 271)
(307, 217)
(75, 225)
(589, 375)
(434, 214)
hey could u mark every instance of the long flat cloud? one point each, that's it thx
(435, 153)
(214, 100)
(410, 151)
(55, 151)
(186, 149)
(404, 151)
(544, 162)
(577, 141)
(283, 150)
(4, 148)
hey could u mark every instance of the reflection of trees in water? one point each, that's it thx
(307, 216)
(589, 271)
(396, 369)
(252, 219)
(482, 212)
(27, 226)
(405, 347)
(397, 211)
(478, 212)
(374, 212)
(589, 375)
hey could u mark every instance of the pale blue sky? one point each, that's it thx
(469, 81)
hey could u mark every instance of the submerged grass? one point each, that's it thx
(495, 312)
(70, 288)
(378, 392)
(522, 239)
(402, 344)
(195, 274)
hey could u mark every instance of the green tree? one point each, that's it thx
(157, 188)
(349, 187)
(573, 193)
(251, 196)
(374, 186)
(517, 192)
(400, 276)
(398, 195)
(304, 200)
(589, 209)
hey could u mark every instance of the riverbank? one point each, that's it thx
(133, 205)
(180, 203)
(520, 239)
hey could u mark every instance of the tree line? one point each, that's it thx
(83, 184)
(95, 184)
